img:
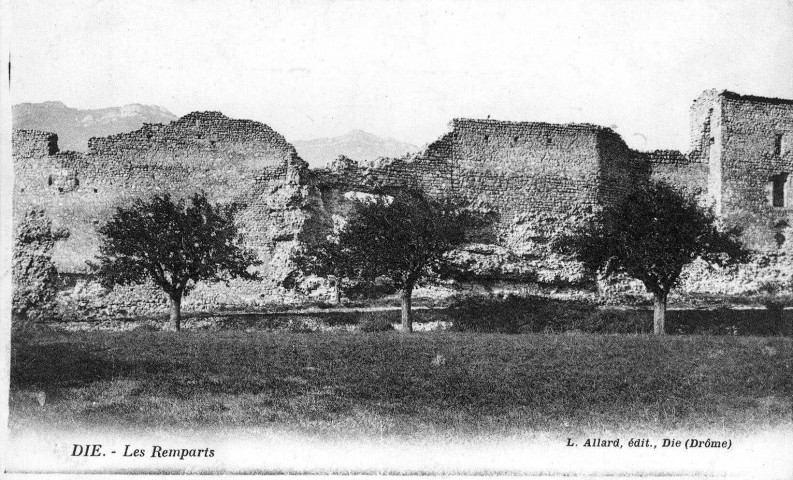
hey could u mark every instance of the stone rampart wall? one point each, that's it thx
(532, 178)
(230, 160)
(509, 169)
(520, 165)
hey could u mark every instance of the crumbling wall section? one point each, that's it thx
(701, 124)
(509, 169)
(526, 177)
(34, 144)
(621, 168)
(707, 141)
(229, 160)
(430, 171)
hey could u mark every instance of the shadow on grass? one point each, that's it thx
(726, 321)
(523, 314)
(54, 366)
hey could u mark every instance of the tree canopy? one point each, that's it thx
(174, 244)
(650, 235)
(324, 259)
(403, 238)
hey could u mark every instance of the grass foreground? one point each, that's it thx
(376, 384)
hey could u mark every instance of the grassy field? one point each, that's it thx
(440, 383)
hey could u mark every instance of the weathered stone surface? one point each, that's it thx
(532, 179)
(230, 160)
(747, 140)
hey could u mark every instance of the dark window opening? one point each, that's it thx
(778, 189)
(487, 137)
(515, 139)
(96, 190)
(49, 181)
(778, 144)
(60, 189)
(548, 140)
(76, 182)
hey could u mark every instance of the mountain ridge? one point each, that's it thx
(75, 126)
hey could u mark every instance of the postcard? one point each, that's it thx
(343, 237)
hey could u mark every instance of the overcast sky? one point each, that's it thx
(404, 69)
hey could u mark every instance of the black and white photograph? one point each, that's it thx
(396, 238)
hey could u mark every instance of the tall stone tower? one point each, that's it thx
(747, 142)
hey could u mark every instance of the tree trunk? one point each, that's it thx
(176, 314)
(337, 292)
(659, 314)
(407, 313)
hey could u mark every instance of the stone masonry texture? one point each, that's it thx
(516, 172)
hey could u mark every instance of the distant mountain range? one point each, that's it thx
(74, 126)
(357, 145)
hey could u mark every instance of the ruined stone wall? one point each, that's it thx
(704, 112)
(621, 168)
(682, 171)
(521, 167)
(34, 144)
(539, 179)
(532, 177)
(429, 171)
(510, 169)
(527, 177)
(338, 184)
(754, 145)
(230, 160)
(706, 142)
